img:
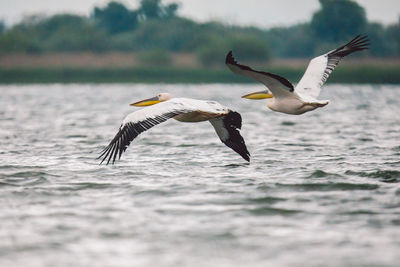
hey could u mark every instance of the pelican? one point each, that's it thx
(226, 122)
(282, 95)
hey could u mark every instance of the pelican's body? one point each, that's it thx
(206, 110)
(282, 95)
(226, 123)
(294, 104)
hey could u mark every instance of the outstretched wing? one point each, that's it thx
(140, 121)
(321, 67)
(279, 86)
(227, 128)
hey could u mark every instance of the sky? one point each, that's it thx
(260, 13)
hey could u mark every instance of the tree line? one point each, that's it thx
(154, 26)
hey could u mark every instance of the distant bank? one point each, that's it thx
(362, 74)
(179, 68)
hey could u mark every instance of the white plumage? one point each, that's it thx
(227, 123)
(297, 100)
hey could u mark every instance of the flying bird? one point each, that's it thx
(226, 122)
(282, 95)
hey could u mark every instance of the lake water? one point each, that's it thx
(322, 189)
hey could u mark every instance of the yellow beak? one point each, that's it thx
(259, 95)
(146, 102)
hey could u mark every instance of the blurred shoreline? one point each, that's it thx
(120, 67)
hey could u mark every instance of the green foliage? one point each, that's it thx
(116, 18)
(86, 38)
(250, 48)
(338, 20)
(154, 9)
(212, 56)
(2, 27)
(71, 33)
(170, 10)
(23, 38)
(379, 45)
(172, 34)
(212, 52)
(150, 8)
(155, 26)
(213, 41)
(393, 33)
(291, 42)
(52, 25)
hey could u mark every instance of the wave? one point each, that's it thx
(322, 174)
(386, 176)
(329, 186)
(273, 211)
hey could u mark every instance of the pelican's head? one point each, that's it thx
(154, 100)
(259, 95)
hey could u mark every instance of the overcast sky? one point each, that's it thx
(259, 13)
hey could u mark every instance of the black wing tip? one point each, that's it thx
(128, 132)
(229, 59)
(244, 153)
(114, 148)
(246, 156)
(360, 37)
(235, 119)
(360, 42)
(233, 122)
(109, 161)
(104, 154)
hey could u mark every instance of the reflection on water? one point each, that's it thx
(321, 188)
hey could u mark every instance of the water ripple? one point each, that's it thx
(386, 176)
(323, 185)
(328, 186)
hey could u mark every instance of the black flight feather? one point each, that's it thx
(128, 132)
(230, 60)
(232, 122)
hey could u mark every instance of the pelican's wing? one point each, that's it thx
(227, 128)
(321, 67)
(279, 86)
(140, 121)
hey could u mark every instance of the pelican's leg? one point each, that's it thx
(303, 105)
(315, 105)
(319, 105)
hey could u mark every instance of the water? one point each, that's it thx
(321, 189)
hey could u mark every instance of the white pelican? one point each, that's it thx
(285, 98)
(226, 123)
